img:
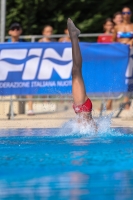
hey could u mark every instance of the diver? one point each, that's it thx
(82, 104)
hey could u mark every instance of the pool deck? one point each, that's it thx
(56, 119)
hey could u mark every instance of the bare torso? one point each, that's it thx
(125, 28)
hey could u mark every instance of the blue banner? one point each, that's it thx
(45, 68)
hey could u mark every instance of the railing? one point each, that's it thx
(33, 38)
(56, 98)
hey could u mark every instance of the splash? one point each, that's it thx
(103, 124)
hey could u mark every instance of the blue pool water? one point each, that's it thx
(45, 164)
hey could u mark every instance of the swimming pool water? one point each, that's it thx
(39, 164)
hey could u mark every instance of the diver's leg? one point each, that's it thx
(78, 88)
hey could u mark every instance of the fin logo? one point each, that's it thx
(11, 61)
(52, 60)
(28, 62)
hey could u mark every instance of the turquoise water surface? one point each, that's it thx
(45, 164)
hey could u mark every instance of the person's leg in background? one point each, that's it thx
(30, 106)
(109, 104)
(126, 100)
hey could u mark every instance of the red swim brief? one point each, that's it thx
(86, 107)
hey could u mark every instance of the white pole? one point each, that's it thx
(3, 20)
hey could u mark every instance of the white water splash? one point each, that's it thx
(103, 123)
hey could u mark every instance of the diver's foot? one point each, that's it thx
(72, 28)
